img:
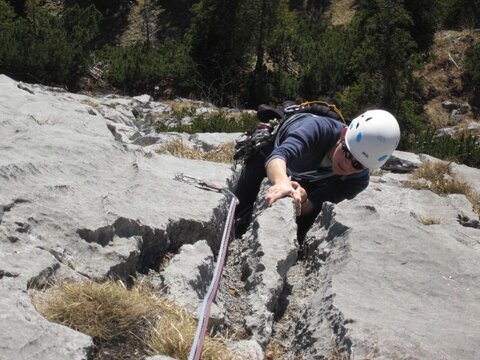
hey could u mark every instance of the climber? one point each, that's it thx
(316, 159)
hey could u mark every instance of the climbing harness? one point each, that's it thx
(204, 315)
(251, 142)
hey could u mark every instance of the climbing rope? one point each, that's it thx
(199, 338)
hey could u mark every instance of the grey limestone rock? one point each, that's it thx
(77, 203)
(188, 277)
(85, 196)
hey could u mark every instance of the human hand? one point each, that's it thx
(283, 189)
(301, 191)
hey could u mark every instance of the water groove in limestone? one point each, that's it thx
(155, 243)
(9, 207)
(15, 171)
(4, 273)
(468, 222)
(43, 279)
(305, 303)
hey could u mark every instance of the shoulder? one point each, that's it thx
(360, 177)
(314, 124)
(355, 183)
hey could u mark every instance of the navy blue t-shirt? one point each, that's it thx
(302, 143)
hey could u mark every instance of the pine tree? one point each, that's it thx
(220, 53)
(426, 19)
(240, 46)
(460, 13)
(44, 48)
(471, 77)
(386, 50)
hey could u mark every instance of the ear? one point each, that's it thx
(344, 132)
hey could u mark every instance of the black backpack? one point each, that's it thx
(271, 119)
(266, 113)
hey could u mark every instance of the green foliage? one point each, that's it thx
(274, 35)
(220, 48)
(139, 68)
(240, 47)
(81, 25)
(18, 6)
(362, 95)
(386, 48)
(460, 13)
(471, 77)
(464, 149)
(411, 117)
(44, 48)
(325, 60)
(384, 57)
(218, 121)
(426, 18)
(7, 14)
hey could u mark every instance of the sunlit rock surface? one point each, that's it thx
(83, 194)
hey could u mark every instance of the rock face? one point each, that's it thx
(77, 203)
(84, 195)
(373, 278)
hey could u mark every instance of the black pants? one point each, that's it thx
(248, 186)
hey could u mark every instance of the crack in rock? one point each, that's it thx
(306, 319)
(15, 171)
(154, 243)
(22, 227)
(43, 279)
(4, 273)
(9, 207)
(467, 222)
(102, 236)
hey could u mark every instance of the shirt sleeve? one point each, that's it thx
(304, 137)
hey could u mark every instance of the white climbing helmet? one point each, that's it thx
(372, 137)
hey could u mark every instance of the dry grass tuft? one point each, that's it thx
(101, 310)
(438, 177)
(336, 354)
(429, 220)
(174, 333)
(341, 12)
(178, 106)
(222, 153)
(274, 351)
(115, 316)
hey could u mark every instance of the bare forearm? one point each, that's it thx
(277, 171)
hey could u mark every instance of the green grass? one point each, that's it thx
(218, 121)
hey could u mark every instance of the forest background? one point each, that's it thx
(241, 53)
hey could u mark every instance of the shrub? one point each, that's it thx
(45, 48)
(471, 77)
(464, 149)
(140, 67)
(219, 121)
